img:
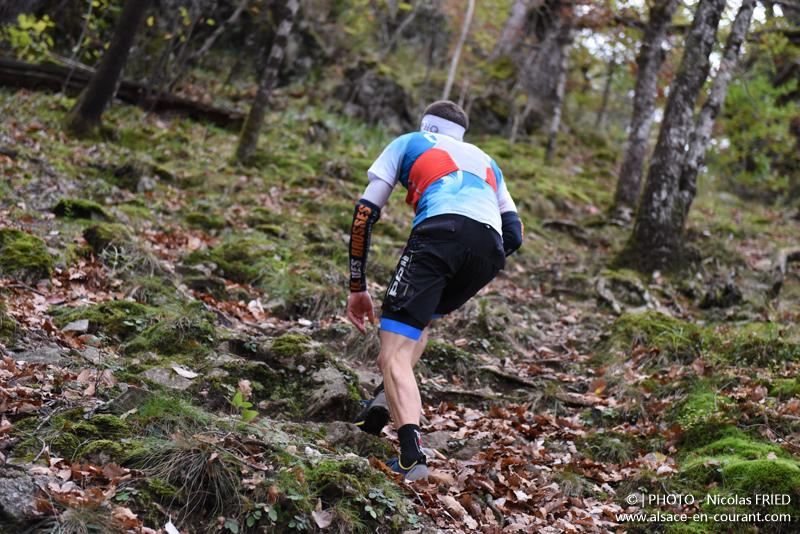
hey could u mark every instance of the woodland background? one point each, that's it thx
(178, 183)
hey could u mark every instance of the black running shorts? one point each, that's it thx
(447, 260)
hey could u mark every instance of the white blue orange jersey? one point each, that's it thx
(444, 175)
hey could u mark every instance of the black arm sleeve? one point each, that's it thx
(366, 214)
(512, 232)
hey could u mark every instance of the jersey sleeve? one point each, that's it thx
(389, 164)
(504, 200)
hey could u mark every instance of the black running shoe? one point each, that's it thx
(374, 416)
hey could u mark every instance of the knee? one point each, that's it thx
(386, 360)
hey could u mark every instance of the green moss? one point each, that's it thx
(163, 489)
(104, 235)
(103, 446)
(742, 447)
(174, 335)
(24, 256)
(66, 444)
(779, 476)
(240, 260)
(785, 388)
(198, 219)
(111, 425)
(77, 208)
(290, 345)
(655, 329)
(117, 319)
(275, 230)
(8, 325)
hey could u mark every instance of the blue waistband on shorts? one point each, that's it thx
(400, 328)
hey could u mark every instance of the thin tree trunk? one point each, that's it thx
(612, 66)
(701, 137)
(457, 53)
(561, 84)
(198, 55)
(656, 242)
(650, 58)
(248, 139)
(249, 45)
(85, 118)
(514, 28)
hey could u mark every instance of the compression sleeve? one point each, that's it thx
(366, 214)
(378, 193)
(512, 232)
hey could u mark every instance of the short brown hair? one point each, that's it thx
(448, 111)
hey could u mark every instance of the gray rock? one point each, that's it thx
(437, 440)
(48, 356)
(369, 380)
(81, 325)
(333, 390)
(146, 183)
(90, 353)
(167, 378)
(729, 198)
(132, 398)
(217, 373)
(17, 493)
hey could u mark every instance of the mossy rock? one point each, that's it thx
(198, 219)
(24, 256)
(97, 449)
(66, 444)
(8, 326)
(117, 319)
(102, 236)
(163, 489)
(77, 208)
(274, 230)
(775, 476)
(674, 337)
(175, 335)
(239, 260)
(290, 345)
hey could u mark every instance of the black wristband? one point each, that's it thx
(512, 232)
(366, 214)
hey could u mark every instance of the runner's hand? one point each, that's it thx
(358, 305)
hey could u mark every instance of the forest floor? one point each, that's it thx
(175, 348)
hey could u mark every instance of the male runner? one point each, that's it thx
(465, 225)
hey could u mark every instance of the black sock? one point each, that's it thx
(410, 446)
(377, 390)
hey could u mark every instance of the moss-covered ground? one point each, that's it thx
(238, 273)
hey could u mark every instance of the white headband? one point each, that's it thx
(434, 124)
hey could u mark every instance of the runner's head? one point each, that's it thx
(448, 111)
(444, 117)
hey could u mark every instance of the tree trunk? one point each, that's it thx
(657, 237)
(457, 53)
(701, 137)
(198, 55)
(555, 122)
(248, 139)
(514, 28)
(250, 45)
(612, 66)
(541, 72)
(650, 58)
(86, 116)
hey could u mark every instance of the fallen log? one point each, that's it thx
(24, 75)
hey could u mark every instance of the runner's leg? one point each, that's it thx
(396, 359)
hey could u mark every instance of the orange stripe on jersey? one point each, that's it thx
(491, 179)
(429, 167)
